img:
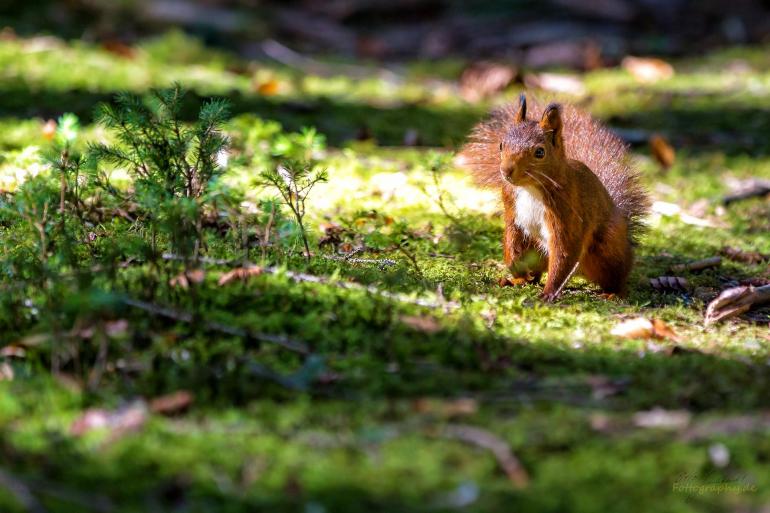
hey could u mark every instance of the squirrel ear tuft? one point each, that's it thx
(521, 112)
(551, 122)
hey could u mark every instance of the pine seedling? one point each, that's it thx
(294, 180)
(171, 163)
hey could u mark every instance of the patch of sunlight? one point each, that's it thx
(19, 165)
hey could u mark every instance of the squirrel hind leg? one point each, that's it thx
(609, 270)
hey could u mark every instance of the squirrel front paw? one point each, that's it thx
(549, 297)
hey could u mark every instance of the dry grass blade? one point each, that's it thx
(736, 301)
(497, 446)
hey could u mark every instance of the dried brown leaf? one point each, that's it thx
(425, 324)
(241, 273)
(49, 130)
(662, 151)
(14, 351)
(642, 327)
(647, 69)
(555, 82)
(6, 371)
(662, 419)
(127, 418)
(483, 79)
(119, 48)
(183, 280)
(172, 403)
(441, 408)
(268, 87)
(736, 301)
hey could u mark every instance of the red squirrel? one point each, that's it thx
(572, 202)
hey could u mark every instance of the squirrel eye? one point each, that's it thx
(539, 152)
(501, 145)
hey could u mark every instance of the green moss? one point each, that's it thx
(348, 429)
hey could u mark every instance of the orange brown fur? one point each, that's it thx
(572, 202)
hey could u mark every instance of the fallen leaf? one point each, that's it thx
(268, 87)
(647, 69)
(662, 151)
(483, 79)
(49, 130)
(127, 418)
(241, 273)
(184, 279)
(172, 403)
(6, 371)
(556, 83)
(642, 327)
(425, 324)
(662, 419)
(119, 48)
(440, 408)
(736, 301)
(671, 209)
(116, 328)
(13, 350)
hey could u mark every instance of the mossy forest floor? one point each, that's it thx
(377, 416)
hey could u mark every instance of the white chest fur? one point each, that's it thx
(530, 215)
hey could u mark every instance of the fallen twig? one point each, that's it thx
(187, 317)
(496, 445)
(311, 278)
(736, 301)
(21, 492)
(746, 257)
(382, 262)
(698, 265)
(292, 59)
(751, 188)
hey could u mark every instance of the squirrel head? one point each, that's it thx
(531, 149)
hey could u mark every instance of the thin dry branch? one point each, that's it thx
(187, 317)
(698, 265)
(496, 445)
(311, 278)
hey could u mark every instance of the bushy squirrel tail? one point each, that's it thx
(585, 139)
